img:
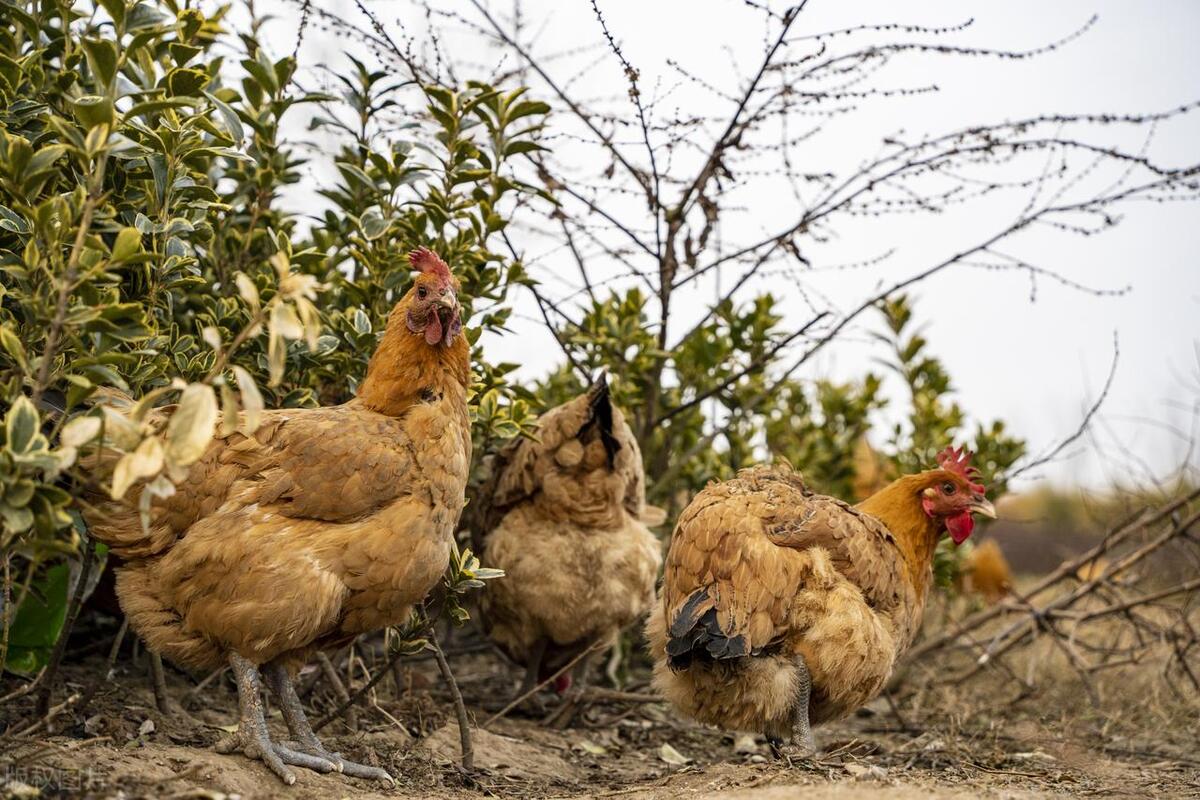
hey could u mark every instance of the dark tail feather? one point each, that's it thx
(53, 403)
(695, 634)
(600, 402)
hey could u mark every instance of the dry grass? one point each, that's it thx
(1087, 690)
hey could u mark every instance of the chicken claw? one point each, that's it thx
(251, 737)
(306, 743)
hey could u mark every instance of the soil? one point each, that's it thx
(122, 747)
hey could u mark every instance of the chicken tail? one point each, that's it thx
(601, 415)
(158, 623)
(695, 634)
(53, 403)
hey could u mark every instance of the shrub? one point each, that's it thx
(144, 246)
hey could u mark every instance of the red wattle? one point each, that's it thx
(433, 329)
(960, 526)
(562, 683)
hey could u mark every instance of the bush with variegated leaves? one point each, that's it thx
(145, 247)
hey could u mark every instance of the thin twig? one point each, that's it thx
(755, 365)
(339, 689)
(46, 718)
(108, 670)
(516, 701)
(208, 679)
(653, 191)
(460, 709)
(6, 611)
(1120, 533)
(1084, 423)
(362, 691)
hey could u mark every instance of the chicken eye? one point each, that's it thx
(949, 488)
(421, 292)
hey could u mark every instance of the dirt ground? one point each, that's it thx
(122, 747)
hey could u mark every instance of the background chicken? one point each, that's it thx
(320, 525)
(986, 573)
(781, 607)
(566, 520)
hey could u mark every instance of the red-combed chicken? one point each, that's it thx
(566, 521)
(781, 608)
(323, 524)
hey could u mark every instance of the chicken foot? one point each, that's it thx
(526, 694)
(802, 745)
(561, 717)
(306, 741)
(533, 674)
(252, 738)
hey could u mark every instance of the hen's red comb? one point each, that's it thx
(959, 462)
(425, 260)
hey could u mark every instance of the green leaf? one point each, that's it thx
(16, 520)
(229, 118)
(161, 104)
(92, 110)
(515, 148)
(527, 107)
(12, 221)
(102, 57)
(183, 53)
(186, 81)
(373, 224)
(263, 74)
(116, 10)
(39, 620)
(44, 158)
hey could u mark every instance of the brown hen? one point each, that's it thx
(321, 525)
(566, 520)
(782, 608)
(986, 573)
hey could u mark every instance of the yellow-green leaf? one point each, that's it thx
(21, 425)
(252, 400)
(285, 322)
(12, 344)
(79, 431)
(143, 462)
(128, 244)
(247, 290)
(229, 409)
(119, 431)
(191, 426)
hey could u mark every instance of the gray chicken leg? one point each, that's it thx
(306, 741)
(252, 738)
(801, 745)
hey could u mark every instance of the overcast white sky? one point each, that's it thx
(1035, 364)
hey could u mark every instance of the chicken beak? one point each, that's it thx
(981, 505)
(446, 307)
